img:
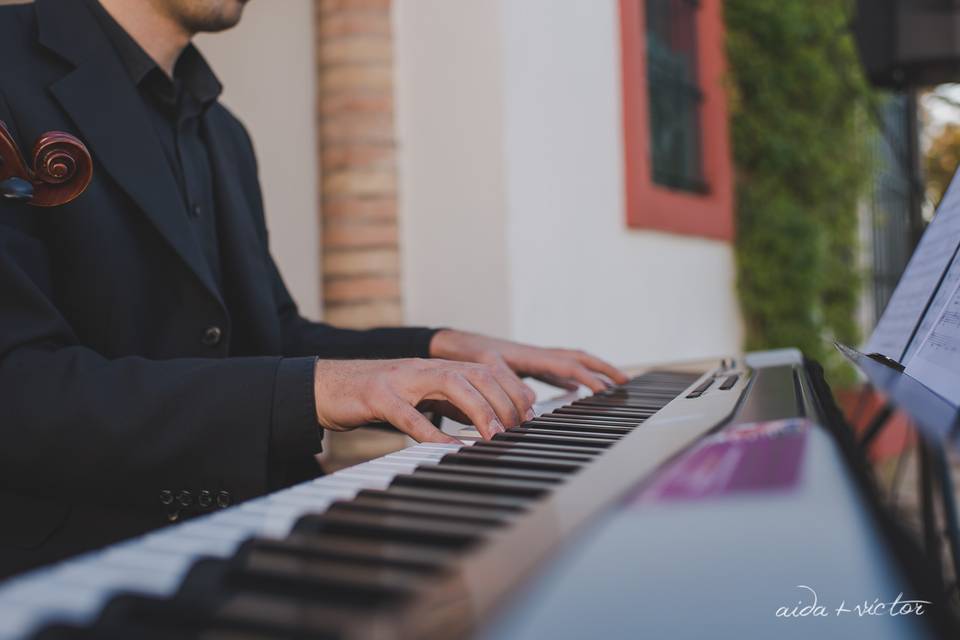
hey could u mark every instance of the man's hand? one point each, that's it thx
(350, 393)
(564, 368)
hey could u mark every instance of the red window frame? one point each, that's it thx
(653, 206)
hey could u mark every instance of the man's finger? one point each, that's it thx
(410, 421)
(590, 380)
(557, 381)
(601, 366)
(520, 394)
(465, 397)
(445, 409)
(490, 387)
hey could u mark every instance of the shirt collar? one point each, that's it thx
(191, 69)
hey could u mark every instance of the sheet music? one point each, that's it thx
(919, 281)
(937, 361)
(933, 312)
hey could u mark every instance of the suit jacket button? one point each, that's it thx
(166, 497)
(212, 336)
(205, 499)
(185, 498)
(223, 499)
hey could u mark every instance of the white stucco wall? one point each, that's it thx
(452, 192)
(266, 65)
(532, 159)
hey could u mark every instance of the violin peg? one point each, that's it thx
(62, 169)
(14, 188)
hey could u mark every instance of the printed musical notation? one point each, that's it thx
(929, 267)
(951, 318)
(936, 362)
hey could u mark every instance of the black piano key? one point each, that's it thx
(330, 583)
(645, 405)
(512, 462)
(615, 403)
(550, 439)
(577, 427)
(501, 472)
(223, 616)
(409, 508)
(358, 550)
(599, 421)
(473, 484)
(621, 413)
(113, 632)
(537, 429)
(609, 411)
(528, 454)
(428, 531)
(536, 447)
(280, 573)
(457, 498)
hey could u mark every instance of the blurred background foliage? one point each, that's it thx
(800, 132)
(940, 161)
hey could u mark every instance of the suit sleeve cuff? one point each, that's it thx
(420, 338)
(294, 432)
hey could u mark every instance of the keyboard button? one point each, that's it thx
(729, 382)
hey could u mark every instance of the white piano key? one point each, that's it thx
(366, 481)
(435, 445)
(147, 558)
(319, 489)
(343, 479)
(240, 519)
(18, 621)
(423, 453)
(195, 546)
(396, 466)
(51, 601)
(414, 458)
(205, 528)
(305, 502)
(276, 520)
(98, 575)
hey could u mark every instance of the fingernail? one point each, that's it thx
(529, 415)
(496, 427)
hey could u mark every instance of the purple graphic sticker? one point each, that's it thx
(760, 456)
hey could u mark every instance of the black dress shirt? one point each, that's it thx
(175, 106)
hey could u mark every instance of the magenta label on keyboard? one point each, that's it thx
(760, 456)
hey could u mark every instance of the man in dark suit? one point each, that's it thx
(152, 362)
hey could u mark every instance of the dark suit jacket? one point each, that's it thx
(113, 393)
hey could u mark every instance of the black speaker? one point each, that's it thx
(908, 43)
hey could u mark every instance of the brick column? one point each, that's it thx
(358, 188)
(358, 195)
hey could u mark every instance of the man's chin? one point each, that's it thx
(212, 16)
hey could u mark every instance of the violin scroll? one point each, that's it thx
(62, 169)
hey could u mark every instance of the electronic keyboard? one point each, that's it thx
(428, 542)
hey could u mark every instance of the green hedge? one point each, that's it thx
(799, 138)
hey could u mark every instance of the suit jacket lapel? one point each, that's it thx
(105, 106)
